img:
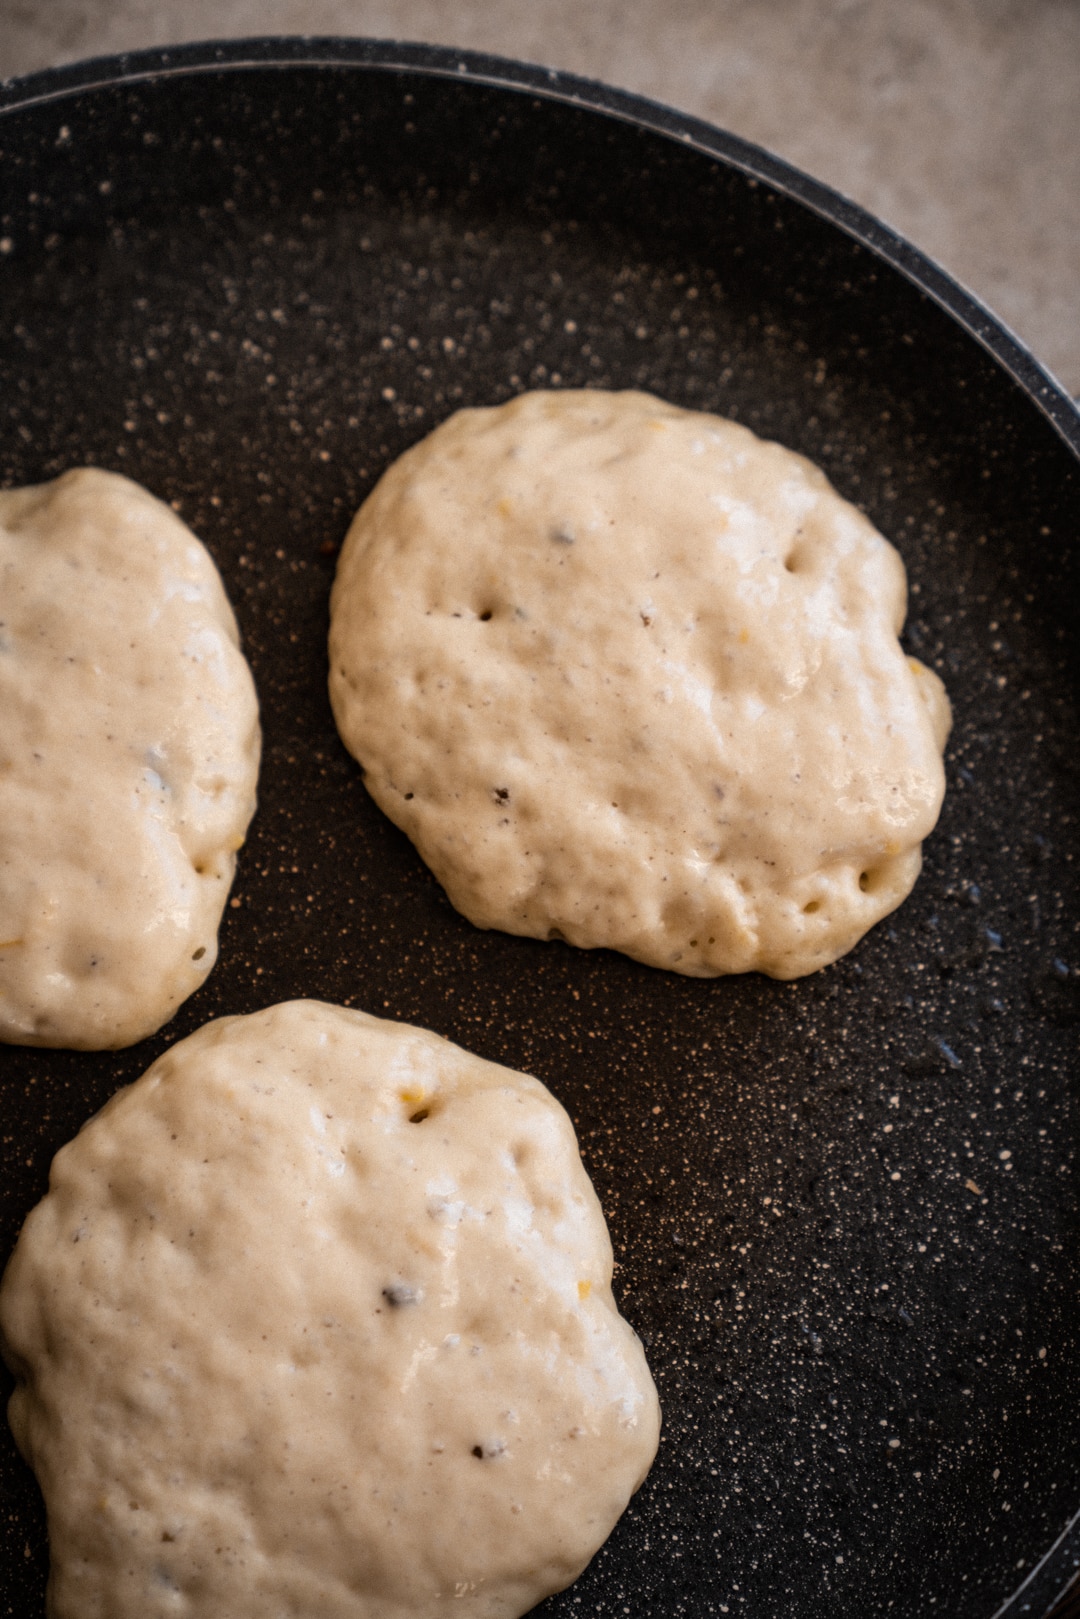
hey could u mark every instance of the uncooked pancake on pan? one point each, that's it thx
(845, 1208)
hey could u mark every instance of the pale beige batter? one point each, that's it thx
(630, 676)
(129, 746)
(315, 1322)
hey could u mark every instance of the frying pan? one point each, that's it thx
(844, 1209)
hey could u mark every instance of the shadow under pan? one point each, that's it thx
(844, 1209)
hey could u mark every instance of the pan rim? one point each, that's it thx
(760, 166)
(268, 52)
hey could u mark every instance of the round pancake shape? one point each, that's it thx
(316, 1318)
(130, 753)
(629, 676)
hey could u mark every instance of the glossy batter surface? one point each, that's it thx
(630, 676)
(316, 1321)
(129, 747)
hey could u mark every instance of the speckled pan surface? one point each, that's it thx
(845, 1209)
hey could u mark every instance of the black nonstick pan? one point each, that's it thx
(844, 1209)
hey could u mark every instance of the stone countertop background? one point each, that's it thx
(955, 121)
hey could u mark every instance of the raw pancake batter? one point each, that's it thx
(629, 676)
(129, 748)
(316, 1321)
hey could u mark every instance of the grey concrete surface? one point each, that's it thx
(956, 121)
